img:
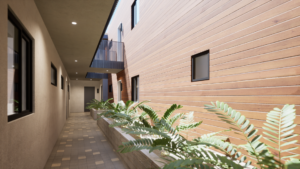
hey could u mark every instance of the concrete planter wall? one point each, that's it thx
(94, 113)
(134, 160)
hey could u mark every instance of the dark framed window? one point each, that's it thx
(110, 88)
(135, 10)
(53, 75)
(62, 82)
(19, 63)
(121, 86)
(200, 66)
(135, 88)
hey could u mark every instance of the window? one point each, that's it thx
(200, 66)
(135, 88)
(19, 73)
(53, 75)
(119, 90)
(110, 88)
(135, 11)
(62, 82)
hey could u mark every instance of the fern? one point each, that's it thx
(253, 146)
(188, 126)
(151, 113)
(168, 113)
(279, 127)
(175, 118)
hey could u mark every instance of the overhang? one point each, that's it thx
(76, 42)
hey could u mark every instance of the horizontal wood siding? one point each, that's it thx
(254, 56)
(124, 93)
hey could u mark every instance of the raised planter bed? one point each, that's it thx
(134, 160)
(94, 113)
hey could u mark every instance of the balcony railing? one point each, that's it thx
(109, 55)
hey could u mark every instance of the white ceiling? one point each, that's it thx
(76, 42)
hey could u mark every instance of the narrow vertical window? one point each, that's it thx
(53, 75)
(135, 13)
(62, 82)
(19, 73)
(110, 88)
(135, 88)
(200, 66)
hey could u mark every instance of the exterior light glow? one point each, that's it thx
(75, 60)
(76, 72)
(74, 23)
(90, 79)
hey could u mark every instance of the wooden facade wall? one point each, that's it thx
(254, 56)
(124, 93)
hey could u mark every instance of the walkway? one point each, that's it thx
(82, 145)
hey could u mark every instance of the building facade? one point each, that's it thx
(251, 48)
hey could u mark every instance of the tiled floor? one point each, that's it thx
(82, 145)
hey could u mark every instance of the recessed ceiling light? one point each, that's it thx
(76, 79)
(76, 72)
(107, 70)
(90, 79)
(74, 23)
(75, 60)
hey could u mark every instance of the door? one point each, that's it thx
(119, 91)
(89, 95)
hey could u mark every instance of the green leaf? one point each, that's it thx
(241, 120)
(256, 138)
(266, 128)
(245, 124)
(287, 133)
(270, 135)
(250, 128)
(290, 149)
(288, 143)
(252, 133)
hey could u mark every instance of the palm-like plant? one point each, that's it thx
(280, 123)
(122, 114)
(183, 153)
(280, 128)
(96, 104)
(166, 117)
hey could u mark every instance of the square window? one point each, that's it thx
(200, 66)
(62, 82)
(135, 10)
(19, 73)
(135, 88)
(53, 75)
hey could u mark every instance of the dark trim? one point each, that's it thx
(192, 67)
(106, 25)
(19, 115)
(97, 90)
(132, 89)
(52, 66)
(62, 82)
(23, 34)
(132, 14)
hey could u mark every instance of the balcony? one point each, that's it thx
(109, 55)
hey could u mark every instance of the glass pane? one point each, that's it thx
(201, 66)
(13, 72)
(24, 56)
(137, 88)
